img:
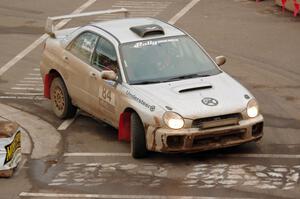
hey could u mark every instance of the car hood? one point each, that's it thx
(185, 97)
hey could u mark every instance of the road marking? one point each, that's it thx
(31, 81)
(27, 88)
(33, 78)
(59, 195)
(183, 11)
(37, 42)
(97, 154)
(137, 9)
(22, 54)
(23, 97)
(66, 124)
(39, 85)
(34, 74)
(253, 155)
(246, 155)
(13, 93)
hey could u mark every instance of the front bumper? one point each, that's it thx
(194, 140)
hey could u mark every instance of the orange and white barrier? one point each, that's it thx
(292, 5)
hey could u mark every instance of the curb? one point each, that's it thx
(39, 137)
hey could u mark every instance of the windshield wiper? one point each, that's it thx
(171, 79)
(147, 82)
(187, 77)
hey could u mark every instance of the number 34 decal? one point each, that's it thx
(106, 95)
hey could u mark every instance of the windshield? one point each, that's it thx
(166, 59)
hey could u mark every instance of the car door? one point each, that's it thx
(77, 58)
(105, 58)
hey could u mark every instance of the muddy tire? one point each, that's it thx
(138, 140)
(60, 99)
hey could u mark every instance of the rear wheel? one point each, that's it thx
(138, 140)
(60, 99)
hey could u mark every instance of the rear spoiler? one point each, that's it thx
(50, 24)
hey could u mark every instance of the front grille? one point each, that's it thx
(217, 121)
(230, 136)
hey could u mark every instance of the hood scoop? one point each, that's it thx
(195, 89)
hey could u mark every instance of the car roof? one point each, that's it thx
(120, 29)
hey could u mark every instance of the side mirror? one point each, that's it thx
(109, 75)
(220, 60)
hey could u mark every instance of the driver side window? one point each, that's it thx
(105, 57)
(83, 46)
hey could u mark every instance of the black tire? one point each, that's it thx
(138, 140)
(60, 99)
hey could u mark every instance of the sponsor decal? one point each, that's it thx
(12, 147)
(208, 101)
(106, 95)
(139, 100)
(153, 42)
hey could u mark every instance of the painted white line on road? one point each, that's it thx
(59, 195)
(183, 11)
(38, 85)
(31, 81)
(23, 97)
(27, 88)
(97, 154)
(22, 54)
(141, 7)
(37, 42)
(66, 124)
(34, 74)
(13, 93)
(253, 155)
(246, 155)
(33, 78)
(147, 3)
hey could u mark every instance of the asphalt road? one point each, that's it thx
(262, 47)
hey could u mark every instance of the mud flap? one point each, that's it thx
(124, 127)
(47, 83)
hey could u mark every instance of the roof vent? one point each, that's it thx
(147, 30)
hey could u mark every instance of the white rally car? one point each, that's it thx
(151, 81)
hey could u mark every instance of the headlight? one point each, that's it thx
(252, 108)
(173, 120)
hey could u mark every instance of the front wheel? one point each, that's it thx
(138, 140)
(60, 99)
